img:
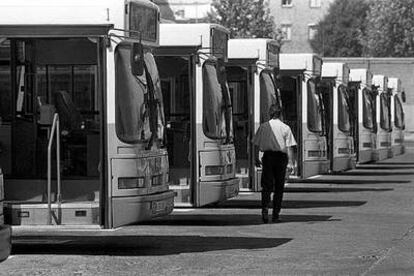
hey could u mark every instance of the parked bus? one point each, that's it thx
(303, 111)
(251, 71)
(339, 116)
(364, 104)
(397, 117)
(78, 77)
(197, 113)
(5, 230)
(383, 147)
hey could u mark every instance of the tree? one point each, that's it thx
(339, 32)
(245, 18)
(390, 28)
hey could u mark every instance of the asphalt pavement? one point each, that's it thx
(360, 222)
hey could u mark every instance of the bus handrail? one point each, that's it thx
(55, 129)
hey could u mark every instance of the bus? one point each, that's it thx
(304, 112)
(5, 230)
(81, 113)
(198, 113)
(383, 147)
(365, 110)
(397, 117)
(252, 69)
(339, 116)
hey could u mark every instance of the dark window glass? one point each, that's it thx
(399, 113)
(344, 123)
(314, 108)
(368, 108)
(385, 112)
(131, 114)
(267, 95)
(213, 103)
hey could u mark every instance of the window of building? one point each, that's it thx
(315, 3)
(312, 31)
(287, 31)
(286, 3)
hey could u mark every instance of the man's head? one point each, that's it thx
(275, 111)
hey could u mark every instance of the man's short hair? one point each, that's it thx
(275, 111)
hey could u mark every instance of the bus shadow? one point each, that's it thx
(229, 220)
(347, 181)
(138, 245)
(290, 204)
(377, 173)
(333, 190)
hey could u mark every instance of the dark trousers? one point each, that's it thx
(273, 179)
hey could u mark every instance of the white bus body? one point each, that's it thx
(397, 117)
(251, 69)
(339, 116)
(365, 110)
(383, 146)
(200, 139)
(303, 111)
(76, 59)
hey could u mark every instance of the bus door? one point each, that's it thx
(176, 67)
(327, 92)
(291, 98)
(385, 124)
(314, 139)
(53, 76)
(353, 89)
(241, 87)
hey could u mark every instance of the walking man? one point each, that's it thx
(275, 139)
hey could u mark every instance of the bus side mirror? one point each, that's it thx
(137, 59)
(403, 96)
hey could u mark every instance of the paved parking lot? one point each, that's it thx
(358, 223)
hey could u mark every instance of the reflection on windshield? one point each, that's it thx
(314, 108)
(385, 116)
(138, 105)
(343, 110)
(267, 95)
(399, 113)
(213, 103)
(368, 109)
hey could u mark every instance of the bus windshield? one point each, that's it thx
(343, 109)
(368, 109)
(385, 118)
(214, 125)
(399, 113)
(314, 107)
(132, 99)
(267, 95)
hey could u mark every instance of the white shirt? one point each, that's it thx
(283, 134)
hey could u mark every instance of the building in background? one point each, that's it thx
(184, 11)
(298, 20)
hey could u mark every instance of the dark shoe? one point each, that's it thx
(265, 216)
(275, 218)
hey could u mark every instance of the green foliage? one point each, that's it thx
(245, 18)
(339, 33)
(390, 28)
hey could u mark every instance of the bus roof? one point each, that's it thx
(306, 62)
(196, 34)
(394, 84)
(361, 74)
(337, 70)
(381, 81)
(65, 12)
(241, 48)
